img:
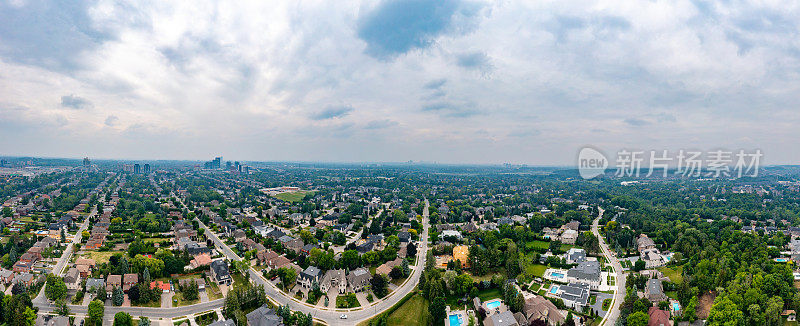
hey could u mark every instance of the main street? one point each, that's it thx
(58, 269)
(619, 292)
(328, 315)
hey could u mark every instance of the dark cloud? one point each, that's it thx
(50, 34)
(398, 26)
(75, 102)
(331, 112)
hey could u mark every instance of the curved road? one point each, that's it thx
(619, 292)
(328, 315)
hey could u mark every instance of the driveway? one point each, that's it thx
(203, 296)
(166, 300)
(598, 305)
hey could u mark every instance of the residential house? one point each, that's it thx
(540, 308)
(25, 278)
(334, 278)
(73, 279)
(587, 272)
(129, 280)
(113, 281)
(92, 284)
(358, 279)
(654, 291)
(575, 256)
(220, 272)
(308, 277)
(264, 316)
(574, 295)
(658, 317)
(569, 236)
(387, 267)
(6, 276)
(200, 260)
(505, 318)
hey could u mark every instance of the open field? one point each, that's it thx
(293, 196)
(100, 256)
(675, 274)
(412, 312)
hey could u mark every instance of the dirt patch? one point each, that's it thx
(704, 304)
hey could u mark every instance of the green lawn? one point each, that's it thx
(293, 196)
(535, 287)
(213, 291)
(535, 269)
(489, 294)
(593, 299)
(413, 312)
(675, 274)
(181, 302)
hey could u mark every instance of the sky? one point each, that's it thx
(451, 81)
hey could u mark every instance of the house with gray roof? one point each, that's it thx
(358, 279)
(654, 291)
(264, 316)
(574, 295)
(307, 278)
(586, 272)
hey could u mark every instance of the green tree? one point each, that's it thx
(96, 311)
(638, 319)
(144, 321)
(725, 312)
(117, 296)
(437, 308)
(55, 288)
(379, 285)
(123, 319)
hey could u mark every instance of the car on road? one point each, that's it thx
(343, 316)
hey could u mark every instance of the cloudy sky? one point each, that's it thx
(439, 81)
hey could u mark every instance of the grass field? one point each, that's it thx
(535, 269)
(489, 294)
(213, 291)
(293, 197)
(101, 256)
(413, 312)
(675, 274)
(544, 245)
(181, 301)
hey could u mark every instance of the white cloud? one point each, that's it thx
(494, 82)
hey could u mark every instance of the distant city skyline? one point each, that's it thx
(466, 82)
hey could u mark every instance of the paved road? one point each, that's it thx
(58, 269)
(332, 316)
(140, 311)
(619, 292)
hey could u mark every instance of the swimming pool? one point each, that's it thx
(781, 260)
(557, 275)
(454, 320)
(553, 289)
(493, 304)
(676, 306)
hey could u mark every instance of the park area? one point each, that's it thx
(294, 196)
